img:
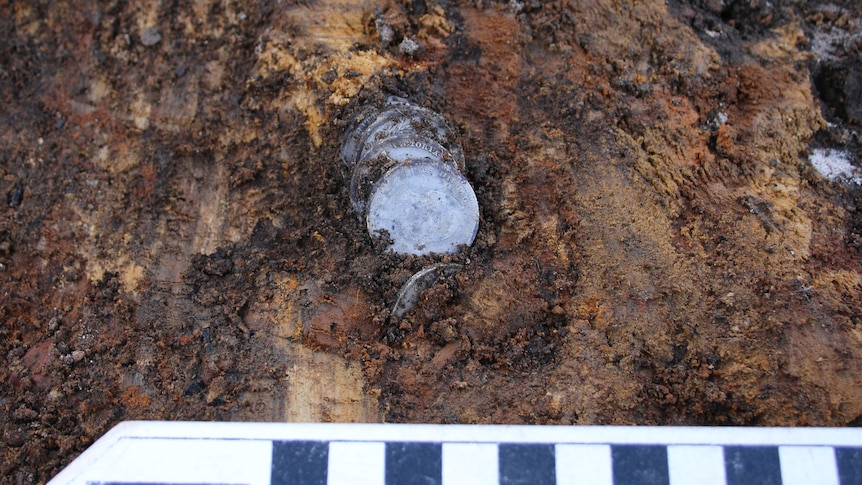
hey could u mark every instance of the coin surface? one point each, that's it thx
(409, 294)
(398, 118)
(396, 150)
(425, 207)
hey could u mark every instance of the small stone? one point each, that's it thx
(216, 388)
(715, 119)
(384, 31)
(53, 325)
(409, 47)
(78, 355)
(63, 348)
(150, 36)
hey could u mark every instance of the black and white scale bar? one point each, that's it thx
(167, 453)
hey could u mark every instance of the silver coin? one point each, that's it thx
(425, 207)
(398, 118)
(354, 136)
(396, 150)
(409, 294)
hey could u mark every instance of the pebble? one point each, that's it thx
(63, 348)
(384, 30)
(73, 357)
(409, 47)
(150, 36)
(53, 325)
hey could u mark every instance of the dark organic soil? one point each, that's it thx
(177, 240)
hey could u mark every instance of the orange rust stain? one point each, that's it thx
(133, 397)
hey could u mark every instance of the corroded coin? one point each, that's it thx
(398, 118)
(409, 294)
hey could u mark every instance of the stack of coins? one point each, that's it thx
(407, 179)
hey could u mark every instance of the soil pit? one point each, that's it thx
(177, 240)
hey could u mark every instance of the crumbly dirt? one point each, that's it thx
(177, 241)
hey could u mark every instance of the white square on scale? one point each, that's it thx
(584, 465)
(470, 464)
(356, 463)
(808, 464)
(696, 465)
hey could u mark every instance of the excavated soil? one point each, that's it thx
(655, 247)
